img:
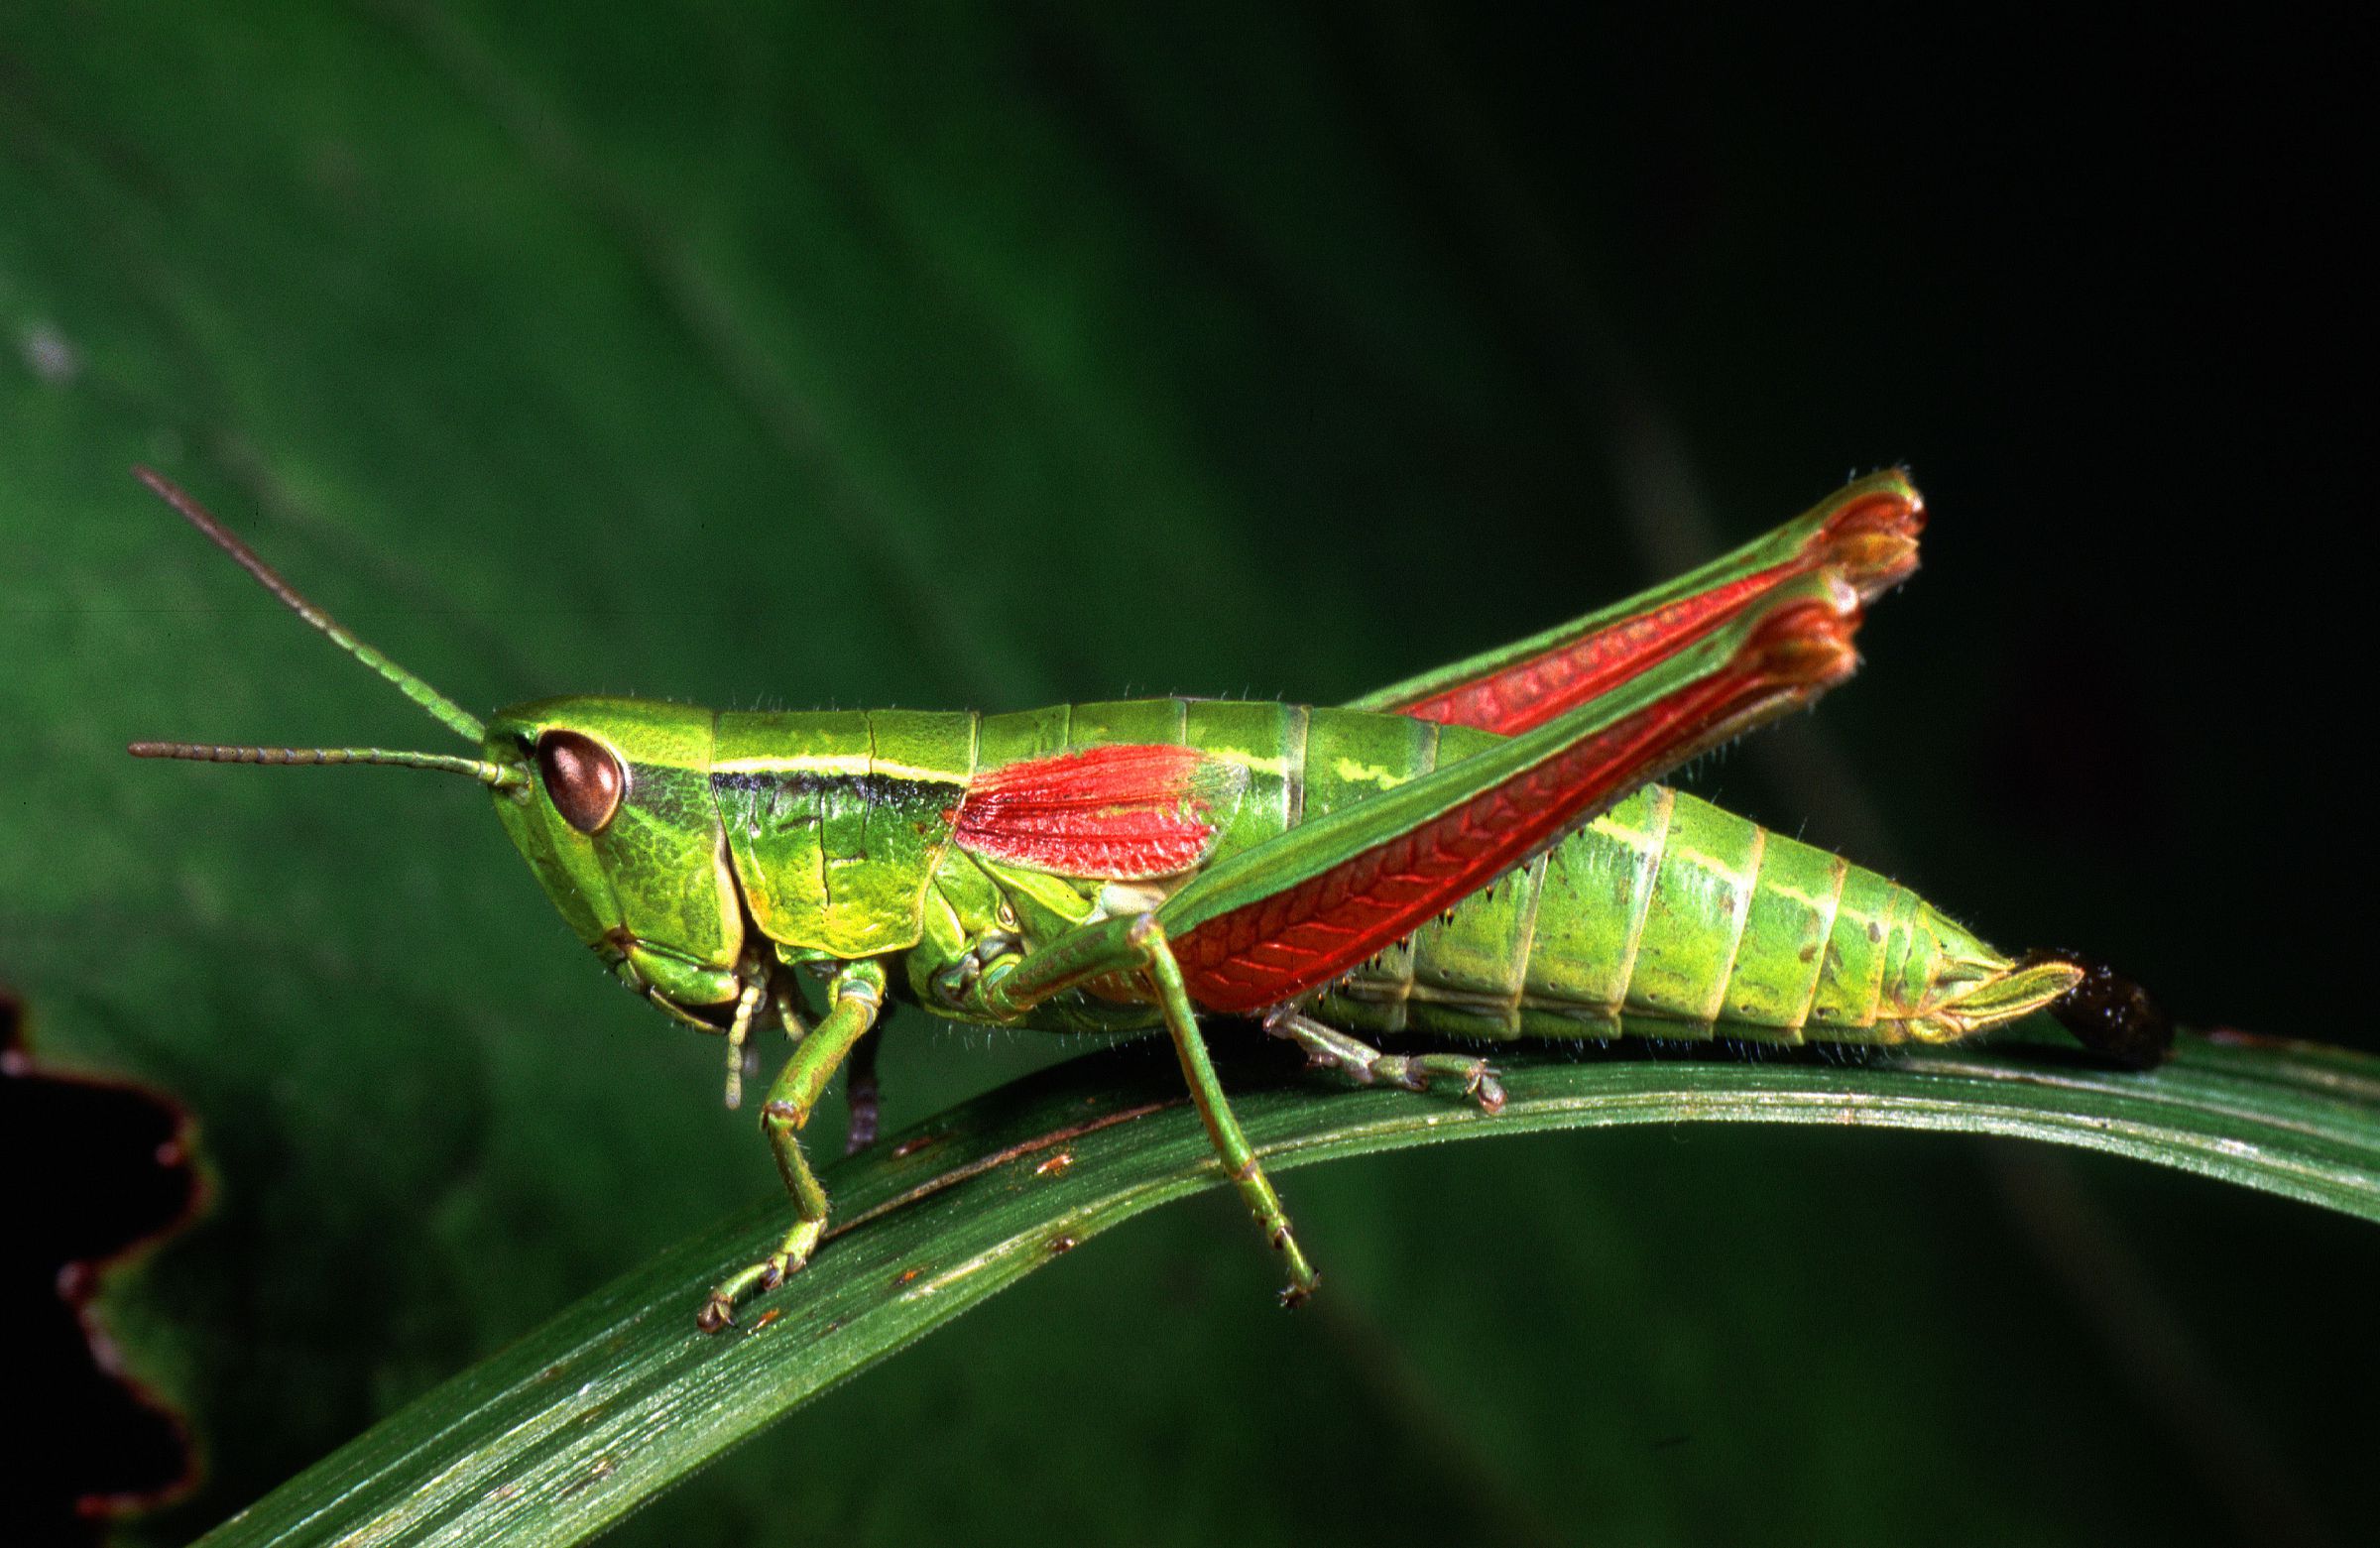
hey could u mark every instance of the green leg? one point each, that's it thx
(1138, 945)
(1866, 532)
(857, 996)
(1329, 1048)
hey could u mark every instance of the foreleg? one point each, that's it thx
(858, 997)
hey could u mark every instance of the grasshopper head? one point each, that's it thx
(609, 800)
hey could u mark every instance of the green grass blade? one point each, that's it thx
(617, 1397)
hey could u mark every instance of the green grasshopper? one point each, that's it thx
(1473, 852)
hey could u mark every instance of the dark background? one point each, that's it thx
(1282, 352)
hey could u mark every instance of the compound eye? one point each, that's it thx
(582, 779)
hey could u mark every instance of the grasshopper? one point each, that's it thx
(1473, 852)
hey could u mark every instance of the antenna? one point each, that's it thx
(493, 774)
(446, 711)
(449, 714)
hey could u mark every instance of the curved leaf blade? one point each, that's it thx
(618, 1397)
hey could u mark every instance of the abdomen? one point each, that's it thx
(1669, 915)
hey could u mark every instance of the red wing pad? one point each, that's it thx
(1871, 542)
(1270, 951)
(1109, 813)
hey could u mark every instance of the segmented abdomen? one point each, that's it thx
(1670, 915)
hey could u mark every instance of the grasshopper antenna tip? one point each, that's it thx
(441, 708)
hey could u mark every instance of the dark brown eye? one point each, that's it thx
(582, 779)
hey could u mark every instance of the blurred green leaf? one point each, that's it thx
(617, 1397)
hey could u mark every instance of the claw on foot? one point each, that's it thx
(1477, 1077)
(1481, 1085)
(719, 1309)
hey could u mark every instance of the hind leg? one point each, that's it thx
(1329, 1048)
